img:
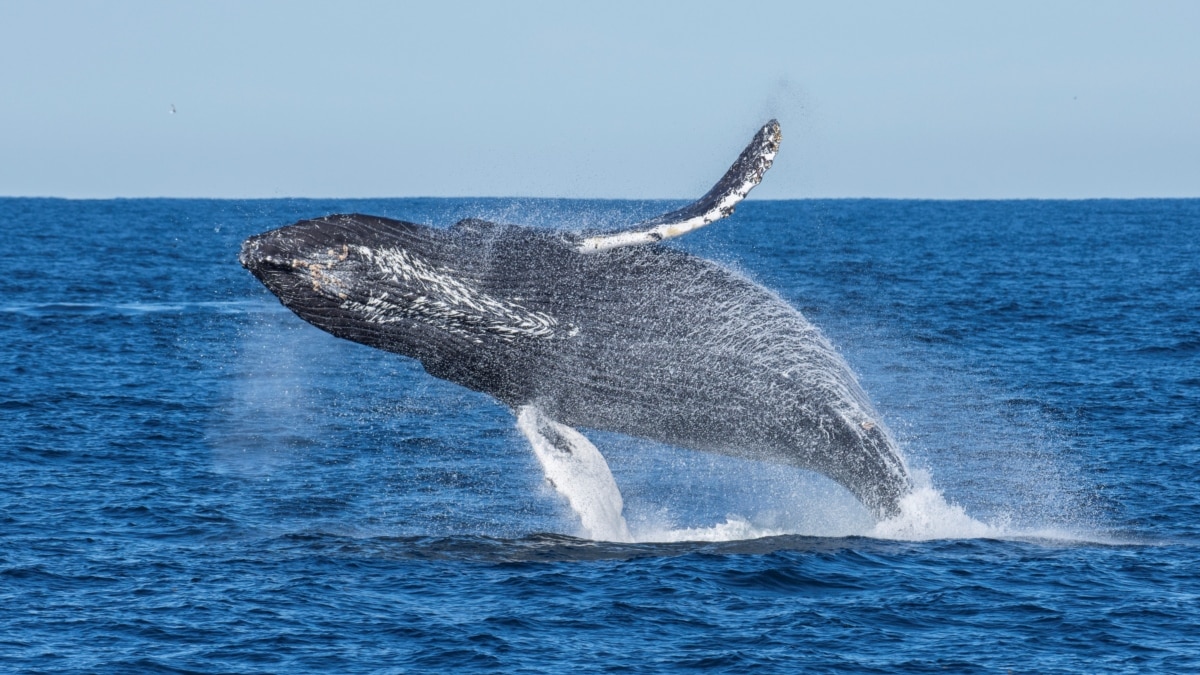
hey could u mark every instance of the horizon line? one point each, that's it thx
(598, 199)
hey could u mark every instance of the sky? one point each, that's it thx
(643, 99)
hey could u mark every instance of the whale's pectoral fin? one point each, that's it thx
(578, 472)
(746, 172)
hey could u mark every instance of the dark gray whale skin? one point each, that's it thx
(643, 340)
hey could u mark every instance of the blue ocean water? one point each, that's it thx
(195, 480)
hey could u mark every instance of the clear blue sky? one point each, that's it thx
(614, 99)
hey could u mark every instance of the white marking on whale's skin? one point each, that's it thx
(747, 172)
(439, 299)
(578, 472)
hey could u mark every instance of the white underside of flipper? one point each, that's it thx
(747, 171)
(578, 472)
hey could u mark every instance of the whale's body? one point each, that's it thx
(610, 332)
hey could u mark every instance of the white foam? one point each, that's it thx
(925, 514)
(733, 528)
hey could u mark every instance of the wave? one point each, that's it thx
(734, 537)
(127, 308)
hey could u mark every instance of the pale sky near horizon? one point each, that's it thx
(950, 100)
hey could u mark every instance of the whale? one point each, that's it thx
(610, 330)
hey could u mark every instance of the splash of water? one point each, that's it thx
(579, 472)
(925, 514)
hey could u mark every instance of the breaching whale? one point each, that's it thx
(611, 331)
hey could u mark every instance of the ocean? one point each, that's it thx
(194, 480)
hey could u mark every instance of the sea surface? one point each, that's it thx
(192, 479)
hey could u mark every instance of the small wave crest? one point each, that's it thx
(925, 515)
(733, 528)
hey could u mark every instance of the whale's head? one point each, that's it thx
(357, 277)
(406, 288)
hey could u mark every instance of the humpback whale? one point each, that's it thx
(604, 330)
